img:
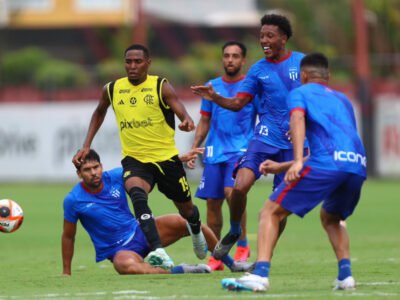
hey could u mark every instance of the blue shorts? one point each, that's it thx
(339, 192)
(257, 152)
(215, 178)
(137, 244)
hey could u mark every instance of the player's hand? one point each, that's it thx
(269, 167)
(191, 156)
(293, 174)
(205, 91)
(80, 156)
(187, 125)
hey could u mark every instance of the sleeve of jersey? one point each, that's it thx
(69, 212)
(205, 108)
(249, 86)
(295, 101)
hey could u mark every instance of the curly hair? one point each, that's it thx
(280, 21)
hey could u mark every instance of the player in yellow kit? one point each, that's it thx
(145, 107)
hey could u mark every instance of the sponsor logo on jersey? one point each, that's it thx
(146, 90)
(348, 156)
(264, 77)
(148, 99)
(121, 102)
(125, 124)
(124, 91)
(133, 101)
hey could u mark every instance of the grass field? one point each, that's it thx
(303, 267)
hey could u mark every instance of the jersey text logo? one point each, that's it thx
(350, 157)
(135, 124)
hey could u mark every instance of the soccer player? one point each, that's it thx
(145, 107)
(228, 134)
(271, 79)
(99, 202)
(333, 174)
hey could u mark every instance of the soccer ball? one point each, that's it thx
(11, 215)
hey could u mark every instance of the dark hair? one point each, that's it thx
(234, 43)
(281, 21)
(91, 156)
(315, 59)
(138, 47)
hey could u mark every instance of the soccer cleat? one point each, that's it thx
(198, 268)
(160, 258)
(242, 253)
(224, 246)
(199, 243)
(248, 282)
(346, 284)
(215, 265)
(241, 266)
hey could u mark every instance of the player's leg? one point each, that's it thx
(337, 207)
(215, 216)
(211, 189)
(246, 174)
(172, 182)
(298, 198)
(128, 262)
(138, 187)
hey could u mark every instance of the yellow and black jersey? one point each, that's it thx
(146, 124)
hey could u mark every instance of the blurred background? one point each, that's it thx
(55, 56)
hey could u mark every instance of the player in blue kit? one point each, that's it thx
(228, 134)
(99, 202)
(271, 79)
(333, 174)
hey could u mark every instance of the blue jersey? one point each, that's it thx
(272, 82)
(330, 129)
(229, 131)
(117, 225)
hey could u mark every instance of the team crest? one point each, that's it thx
(148, 99)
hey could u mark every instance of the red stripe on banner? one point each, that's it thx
(282, 195)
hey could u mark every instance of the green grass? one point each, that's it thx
(303, 267)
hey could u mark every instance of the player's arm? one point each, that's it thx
(201, 132)
(95, 123)
(67, 246)
(235, 104)
(272, 167)
(171, 99)
(297, 132)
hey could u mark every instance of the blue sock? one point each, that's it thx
(242, 243)
(227, 260)
(344, 268)
(262, 268)
(235, 227)
(177, 270)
